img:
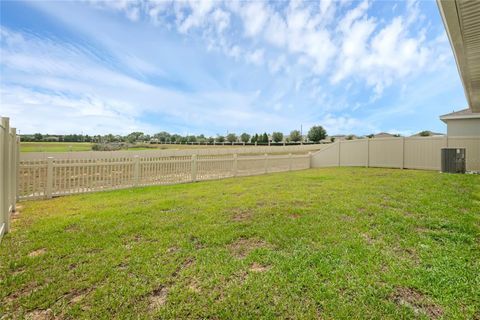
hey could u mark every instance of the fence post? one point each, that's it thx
(339, 145)
(4, 210)
(17, 170)
(13, 167)
(194, 167)
(49, 186)
(235, 164)
(290, 162)
(265, 163)
(368, 152)
(136, 170)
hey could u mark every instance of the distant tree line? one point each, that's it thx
(315, 134)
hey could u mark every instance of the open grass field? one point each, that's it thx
(340, 243)
(55, 146)
(86, 146)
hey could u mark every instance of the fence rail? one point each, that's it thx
(9, 155)
(45, 178)
(410, 153)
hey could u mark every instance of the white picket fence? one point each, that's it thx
(9, 156)
(45, 178)
(207, 151)
(409, 153)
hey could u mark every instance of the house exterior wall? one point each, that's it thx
(463, 127)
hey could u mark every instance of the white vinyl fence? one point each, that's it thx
(9, 155)
(45, 178)
(409, 153)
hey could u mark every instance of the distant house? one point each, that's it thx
(383, 135)
(428, 133)
(462, 123)
(338, 137)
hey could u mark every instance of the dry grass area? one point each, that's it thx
(337, 243)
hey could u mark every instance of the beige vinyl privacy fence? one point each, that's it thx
(410, 153)
(45, 178)
(9, 155)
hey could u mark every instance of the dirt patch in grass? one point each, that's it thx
(18, 271)
(193, 285)
(15, 214)
(409, 254)
(256, 267)
(417, 301)
(240, 215)
(72, 228)
(243, 246)
(77, 296)
(173, 249)
(368, 239)
(197, 242)
(295, 215)
(122, 266)
(40, 315)
(37, 252)
(158, 298)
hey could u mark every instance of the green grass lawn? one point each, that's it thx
(326, 243)
(55, 146)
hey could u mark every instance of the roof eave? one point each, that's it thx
(450, 17)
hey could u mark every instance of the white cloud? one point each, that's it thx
(358, 46)
(378, 54)
(255, 57)
(64, 89)
(254, 15)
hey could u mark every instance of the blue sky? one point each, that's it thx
(214, 67)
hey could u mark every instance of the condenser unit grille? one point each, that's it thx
(453, 160)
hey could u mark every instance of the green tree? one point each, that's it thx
(232, 137)
(211, 140)
(295, 136)
(175, 138)
(425, 134)
(277, 136)
(245, 137)
(317, 133)
(162, 136)
(220, 139)
(38, 137)
(134, 136)
(254, 138)
(265, 138)
(192, 139)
